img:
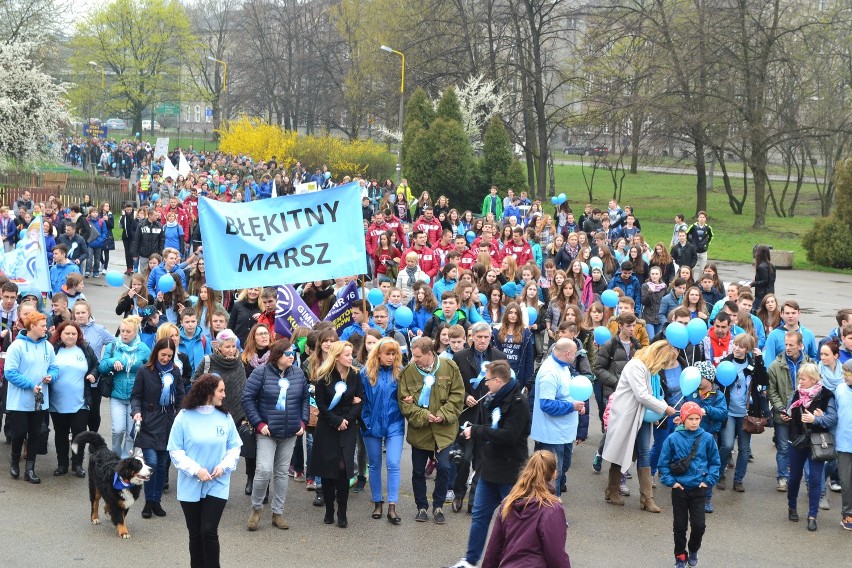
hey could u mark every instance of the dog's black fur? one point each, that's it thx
(103, 464)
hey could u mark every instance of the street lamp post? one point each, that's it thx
(96, 65)
(401, 99)
(223, 100)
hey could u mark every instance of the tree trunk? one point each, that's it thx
(701, 175)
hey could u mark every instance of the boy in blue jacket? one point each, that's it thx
(690, 486)
(715, 407)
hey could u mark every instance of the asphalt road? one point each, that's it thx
(48, 524)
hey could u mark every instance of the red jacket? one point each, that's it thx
(429, 262)
(444, 251)
(522, 253)
(374, 231)
(468, 259)
(433, 229)
(395, 224)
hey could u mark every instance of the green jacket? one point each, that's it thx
(445, 401)
(486, 206)
(780, 387)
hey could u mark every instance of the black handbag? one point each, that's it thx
(822, 446)
(249, 447)
(40, 442)
(107, 380)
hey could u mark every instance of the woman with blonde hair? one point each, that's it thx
(339, 394)
(530, 527)
(119, 365)
(629, 429)
(509, 268)
(382, 422)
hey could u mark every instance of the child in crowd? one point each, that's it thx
(59, 312)
(695, 451)
(715, 408)
(73, 288)
(192, 340)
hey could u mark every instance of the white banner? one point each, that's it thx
(162, 148)
(309, 187)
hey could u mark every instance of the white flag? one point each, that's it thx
(169, 170)
(274, 189)
(183, 166)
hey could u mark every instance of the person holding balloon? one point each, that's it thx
(715, 408)
(741, 373)
(628, 430)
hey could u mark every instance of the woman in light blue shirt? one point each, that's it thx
(69, 392)
(205, 447)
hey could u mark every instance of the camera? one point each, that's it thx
(39, 400)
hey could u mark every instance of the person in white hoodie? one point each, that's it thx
(29, 369)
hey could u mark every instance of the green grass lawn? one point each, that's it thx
(656, 198)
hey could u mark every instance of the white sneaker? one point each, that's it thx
(463, 564)
(835, 487)
(782, 485)
(624, 489)
(450, 496)
(824, 504)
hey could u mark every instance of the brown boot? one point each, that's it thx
(646, 491)
(254, 519)
(278, 521)
(611, 494)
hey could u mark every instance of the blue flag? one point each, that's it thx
(284, 240)
(26, 264)
(291, 312)
(340, 313)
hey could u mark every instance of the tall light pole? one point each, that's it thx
(222, 100)
(401, 98)
(96, 65)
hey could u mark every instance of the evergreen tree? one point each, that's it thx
(448, 106)
(440, 161)
(420, 109)
(496, 154)
(830, 240)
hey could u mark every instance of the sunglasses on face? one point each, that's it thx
(290, 353)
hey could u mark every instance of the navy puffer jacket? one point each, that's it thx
(260, 398)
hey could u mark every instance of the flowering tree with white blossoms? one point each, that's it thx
(479, 101)
(32, 107)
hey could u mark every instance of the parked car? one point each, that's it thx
(146, 125)
(578, 150)
(116, 124)
(599, 151)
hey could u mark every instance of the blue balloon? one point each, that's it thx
(166, 283)
(327, 175)
(470, 236)
(585, 268)
(609, 298)
(602, 335)
(690, 380)
(554, 200)
(114, 278)
(533, 314)
(403, 316)
(596, 262)
(193, 300)
(510, 289)
(562, 198)
(375, 296)
(726, 373)
(696, 329)
(580, 388)
(137, 135)
(677, 335)
(155, 197)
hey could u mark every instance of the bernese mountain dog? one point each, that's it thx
(117, 481)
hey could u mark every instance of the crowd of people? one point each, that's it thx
(506, 307)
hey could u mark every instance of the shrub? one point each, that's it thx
(829, 243)
(440, 161)
(496, 154)
(262, 141)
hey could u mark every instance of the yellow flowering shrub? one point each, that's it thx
(261, 141)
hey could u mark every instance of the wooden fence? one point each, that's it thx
(69, 189)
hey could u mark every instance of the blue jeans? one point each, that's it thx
(393, 453)
(734, 430)
(158, 461)
(122, 424)
(653, 328)
(782, 453)
(418, 476)
(563, 453)
(486, 500)
(643, 446)
(660, 435)
(798, 458)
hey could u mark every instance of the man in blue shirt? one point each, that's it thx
(555, 414)
(628, 283)
(775, 342)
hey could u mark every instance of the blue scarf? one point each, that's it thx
(119, 483)
(167, 378)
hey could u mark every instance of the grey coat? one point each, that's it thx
(632, 396)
